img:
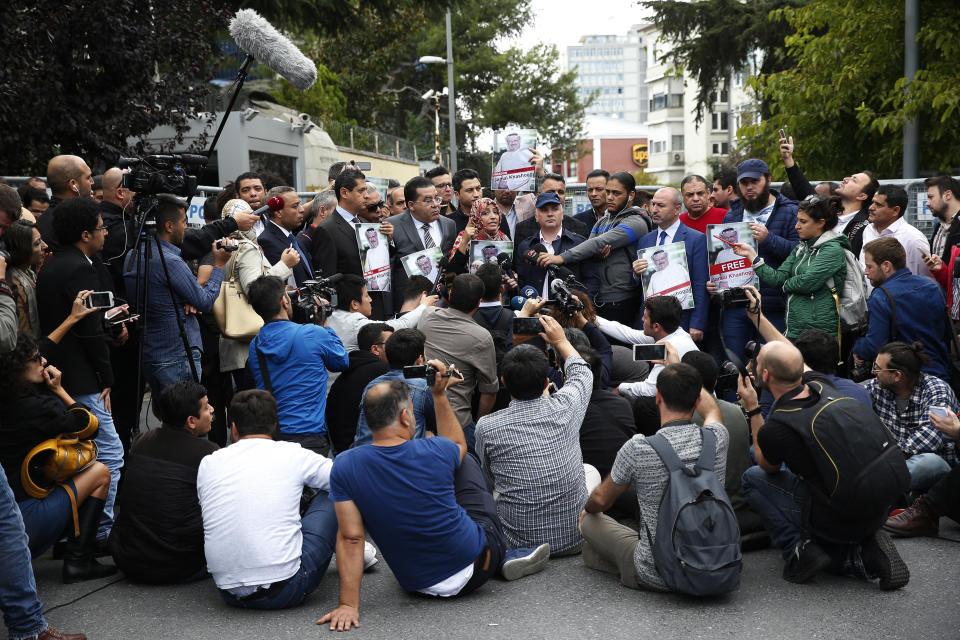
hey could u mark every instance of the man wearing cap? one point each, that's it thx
(773, 218)
(553, 238)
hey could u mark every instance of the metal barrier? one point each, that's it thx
(363, 139)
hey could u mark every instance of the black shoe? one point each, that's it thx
(880, 559)
(808, 560)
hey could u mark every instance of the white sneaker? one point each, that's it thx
(369, 555)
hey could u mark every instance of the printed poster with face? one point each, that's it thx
(423, 263)
(512, 150)
(374, 256)
(727, 269)
(667, 273)
(487, 251)
(380, 184)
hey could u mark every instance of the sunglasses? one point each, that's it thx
(374, 207)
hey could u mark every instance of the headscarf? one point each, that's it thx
(234, 207)
(478, 208)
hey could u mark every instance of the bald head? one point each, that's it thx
(665, 207)
(69, 177)
(783, 361)
(383, 403)
(112, 189)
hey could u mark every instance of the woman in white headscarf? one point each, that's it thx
(250, 264)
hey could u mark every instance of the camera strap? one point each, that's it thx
(894, 334)
(262, 360)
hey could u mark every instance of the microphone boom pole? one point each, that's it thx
(241, 77)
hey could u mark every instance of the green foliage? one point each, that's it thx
(846, 101)
(711, 37)
(324, 100)
(318, 14)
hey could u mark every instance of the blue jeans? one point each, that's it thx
(925, 469)
(319, 528)
(22, 611)
(779, 498)
(109, 452)
(45, 519)
(160, 374)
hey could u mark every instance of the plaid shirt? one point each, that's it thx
(532, 451)
(911, 427)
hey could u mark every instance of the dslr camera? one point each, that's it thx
(734, 298)
(727, 377)
(429, 372)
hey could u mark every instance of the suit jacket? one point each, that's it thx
(407, 239)
(953, 238)
(83, 355)
(273, 241)
(586, 271)
(696, 246)
(336, 251)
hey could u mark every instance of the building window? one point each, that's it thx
(721, 148)
(719, 96)
(719, 121)
(676, 143)
(658, 146)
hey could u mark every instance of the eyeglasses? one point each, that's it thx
(38, 358)
(444, 185)
(104, 228)
(876, 369)
(433, 200)
(374, 207)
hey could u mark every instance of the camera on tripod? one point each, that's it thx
(734, 297)
(173, 174)
(321, 290)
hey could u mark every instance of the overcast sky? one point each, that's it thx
(562, 22)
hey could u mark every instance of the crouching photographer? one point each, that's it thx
(290, 361)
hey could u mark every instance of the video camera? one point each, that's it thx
(173, 174)
(322, 289)
(564, 300)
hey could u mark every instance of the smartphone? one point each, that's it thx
(362, 166)
(527, 326)
(783, 134)
(649, 352)
(940, 412)
(100, 300)
(129, 318)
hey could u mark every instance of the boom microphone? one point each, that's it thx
(258, 38)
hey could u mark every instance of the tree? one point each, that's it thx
(83, 77)
(846, 100)
(323, 100)
(711, 37)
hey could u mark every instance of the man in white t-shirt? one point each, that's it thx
(261, 552)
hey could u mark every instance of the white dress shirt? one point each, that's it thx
(914, 243)
(680, 340)
(671, 231)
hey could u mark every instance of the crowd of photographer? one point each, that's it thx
(483, 416)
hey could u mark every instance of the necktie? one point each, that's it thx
(355, 220)
(663, 237)
(428, 242)
(304, 260)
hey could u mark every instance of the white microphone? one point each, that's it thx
(257, 37)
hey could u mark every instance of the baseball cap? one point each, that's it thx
(752, 168)
(548, 198)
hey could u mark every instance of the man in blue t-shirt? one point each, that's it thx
(426, 503)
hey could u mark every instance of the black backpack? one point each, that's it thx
(862, 468)
(697, 550)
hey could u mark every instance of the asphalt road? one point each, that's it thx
(566, 600)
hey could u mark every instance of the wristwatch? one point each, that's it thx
(753, 412)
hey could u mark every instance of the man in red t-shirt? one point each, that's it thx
(696, 198)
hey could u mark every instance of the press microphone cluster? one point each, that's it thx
(506, 265)
(559, 272)
(275, 203)
(258, 38)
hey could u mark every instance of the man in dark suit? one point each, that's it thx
(279, 233)
(420, 227)
(336, 240)
(553, 234)
(665, 212)
(83, 354)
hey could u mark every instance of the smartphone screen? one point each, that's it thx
(649, 352)
(940, 412)
(527, 326)
(100, 300)
(783, 134)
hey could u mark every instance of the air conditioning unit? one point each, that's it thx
(678, 157)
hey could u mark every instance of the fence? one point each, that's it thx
(363, 139)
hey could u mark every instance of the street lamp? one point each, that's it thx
(450, 97)
(435, 96)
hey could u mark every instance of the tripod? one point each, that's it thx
(139, 258)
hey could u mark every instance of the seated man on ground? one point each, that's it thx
(366, 363)
(158, 535)
(354, 307)
(261, 552)
(531, 449)
(813, 509)
(615, 548)
(403, 349)
(903, 397)
(426, 503)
